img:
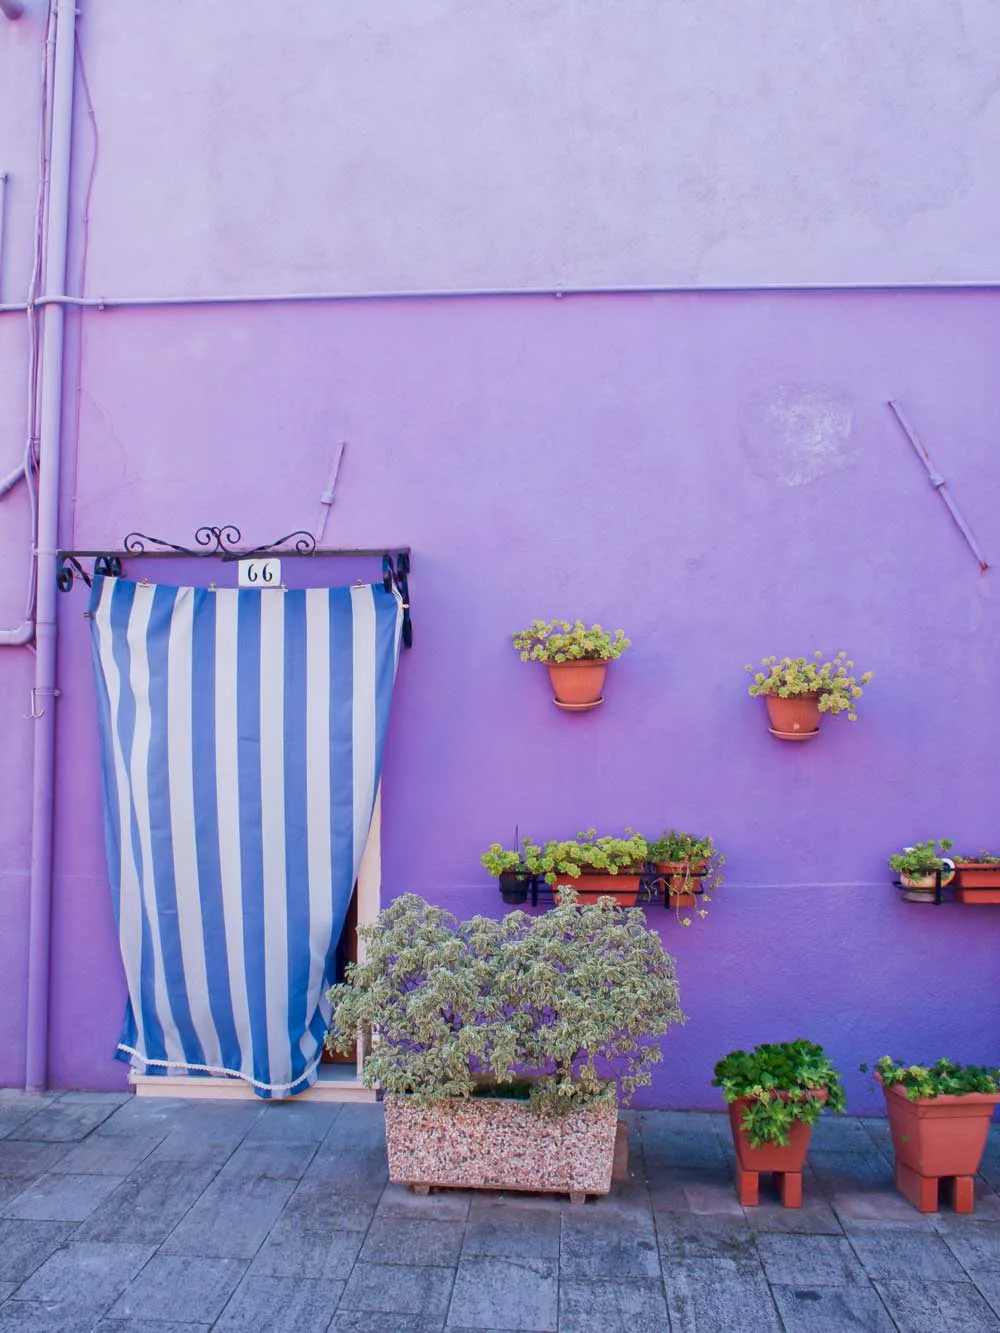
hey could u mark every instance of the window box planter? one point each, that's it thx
(977, 881)
(935, 1138)
(499, 1143)
(592, 885)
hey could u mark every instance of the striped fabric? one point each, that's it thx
(241, 737)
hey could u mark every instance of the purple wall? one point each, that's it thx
(719, 475)
(639, 461)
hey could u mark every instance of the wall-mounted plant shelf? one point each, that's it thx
(960, 893)
(520, 889)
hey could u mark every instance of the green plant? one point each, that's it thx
(921, 859)
(691, 852)
(588, 852)
(560, 641)
(779, 1081)
(983, 858)
(575, 998)
(833, 681)
(499, 862)
(944, 1078)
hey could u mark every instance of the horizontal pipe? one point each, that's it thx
(18, 636)
(464, 294)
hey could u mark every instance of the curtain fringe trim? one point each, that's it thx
(218, 1070)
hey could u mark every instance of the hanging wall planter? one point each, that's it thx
(939, 1118)
(576, 657)
(978, 878)
(690, 868)
(923, 872)
(798, 690)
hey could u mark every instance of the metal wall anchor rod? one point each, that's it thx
(937, 480)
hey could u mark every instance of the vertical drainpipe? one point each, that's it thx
(49, 433)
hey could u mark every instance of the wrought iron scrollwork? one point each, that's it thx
(302, 542)
(395, 573)
(69, 569)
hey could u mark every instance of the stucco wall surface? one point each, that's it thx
(717, 474)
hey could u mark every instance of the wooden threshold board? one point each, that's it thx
(336, 1083)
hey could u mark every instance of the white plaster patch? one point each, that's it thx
(794, 435)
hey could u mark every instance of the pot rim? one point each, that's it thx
(945, 1099)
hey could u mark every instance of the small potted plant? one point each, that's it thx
(691, 868)
(510, 870)
(592, 867)
(776, 1093)
(797, 690)
(939, 1118)
(977, 878)
(919, 867)
(503, 1047)
(577, 658)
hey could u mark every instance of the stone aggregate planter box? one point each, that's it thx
(499, 1143)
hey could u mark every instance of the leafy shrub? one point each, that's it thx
(832, 681)
(778, 1080)
(944, 1078)
(575, 998)
(560, 641)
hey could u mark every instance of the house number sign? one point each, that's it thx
(260, 573)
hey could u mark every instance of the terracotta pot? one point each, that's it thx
(923, 888)
(591, 888)
(683, 880)
(978, 882)
(499, 1143)
(937, 1137)
(795, 718)
(577, 685)
(786, 1159)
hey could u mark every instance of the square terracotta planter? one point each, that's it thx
(592, 886)
(937, 1138)
(786, 1160)
(977, 882)
(497, 1143)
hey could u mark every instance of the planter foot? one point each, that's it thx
(620, 1169)
(421, 1189)
(922, 1191)
(962, 1193)
(577, 1196)
(790, 1185)
(748, 1187)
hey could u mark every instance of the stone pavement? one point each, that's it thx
(145, 1216)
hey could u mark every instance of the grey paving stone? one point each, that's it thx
(24, 1246)
(702, 1301)
(677, 1148)
(976, 1245)
(148, 1326)
(612, 1307)
(817, 1309)
(937, 1307)
(358, 1123)
(701, 1192)
(988, 1284)
(294, 1122)
(513, 1232)
(5, 1290)
(506, 1293)
(146, 1115)
(650, 1122)
(397, 1290)
(21, 1160)
(231, 1219)
(149, 1204)
(83, 1279)
(14, 1111)
(840, 1134)
(922, 1256)
(301, 1247)
(810, 1261)
(181, 1146)
(848, 1172)
(409, 1240)
(97, 1098)
(350, 1170)
(10, 1189)
(863, 1212)
(181, 1289)
(595, 1246)
(358, 1321)
(313, 1200)
(682, 1237)
(439, 1206)
(56, 1198)
(273, 1159)
(815, 1217)
(31, 1317)
(63, 1122)
(107, 1155)
(280, 1305)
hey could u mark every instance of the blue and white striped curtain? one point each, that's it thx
(241, 736)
